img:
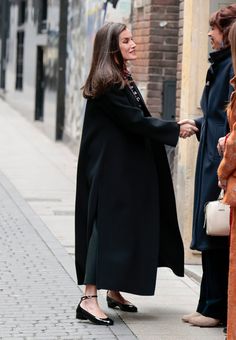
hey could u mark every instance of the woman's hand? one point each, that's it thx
(222, 183)
(187, 128)
(221, 145)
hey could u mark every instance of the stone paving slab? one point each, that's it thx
(37, 288)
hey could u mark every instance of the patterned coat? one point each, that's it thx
(226, 169)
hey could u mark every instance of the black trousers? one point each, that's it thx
(214, 285)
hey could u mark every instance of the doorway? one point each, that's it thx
(40, 84)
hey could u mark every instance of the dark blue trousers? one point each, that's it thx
(214, 285)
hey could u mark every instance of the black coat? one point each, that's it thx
(212, 126)
(124, 182)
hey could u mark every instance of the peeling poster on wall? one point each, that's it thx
(121, 13)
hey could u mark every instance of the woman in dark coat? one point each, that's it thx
(126, 223)
(212, 306)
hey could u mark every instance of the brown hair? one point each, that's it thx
(223, 19)
(107, 61)
(232, 39)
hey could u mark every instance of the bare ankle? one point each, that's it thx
(113, 293)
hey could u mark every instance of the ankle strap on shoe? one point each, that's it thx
(85, 297)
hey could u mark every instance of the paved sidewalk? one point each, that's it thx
(38, 296)
(37, 282)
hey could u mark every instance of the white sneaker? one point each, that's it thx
(187, 317)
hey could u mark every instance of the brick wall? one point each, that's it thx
(155, 29)
(179, 59)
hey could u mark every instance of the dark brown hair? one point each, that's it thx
(223, 19)
(107, 62)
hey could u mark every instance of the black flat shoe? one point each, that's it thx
(82, 314)
(225, 330)
(123, 306)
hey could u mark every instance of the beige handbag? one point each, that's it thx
(217, 218)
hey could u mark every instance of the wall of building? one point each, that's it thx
(191, 72)
(24, 99)
(4, 36)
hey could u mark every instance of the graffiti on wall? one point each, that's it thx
(84, 19)
(121, 13)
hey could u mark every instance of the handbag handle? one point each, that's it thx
(221, 195)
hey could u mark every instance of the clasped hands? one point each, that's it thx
(187, 128)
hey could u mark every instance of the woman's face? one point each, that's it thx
(216, 38)
(127, 45)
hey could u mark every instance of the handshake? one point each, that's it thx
(187, 128)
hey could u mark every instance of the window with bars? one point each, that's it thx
(19, 60)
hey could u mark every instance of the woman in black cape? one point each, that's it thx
(125, 220)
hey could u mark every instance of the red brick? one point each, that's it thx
(173, 9)
(142, 47)
(169, 77)
(155, 93)
(174, 25)
(154, 86)
(141, 39)
(154, 101)
(155, 78)
(165, 2)
(157, 30)
(171, 41)
(179, 66)
(156, 39)
(178, 92)
(168, 64)
(170, 55)
(141, 69)
(170, 48)
(156, 55)
(140, 77)
(142, 62)
(170, 71)
(162, 16)
(153, 71)
(155, 8)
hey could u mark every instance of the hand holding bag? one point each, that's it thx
(217, 218)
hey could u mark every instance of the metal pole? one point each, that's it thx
(61, 86)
